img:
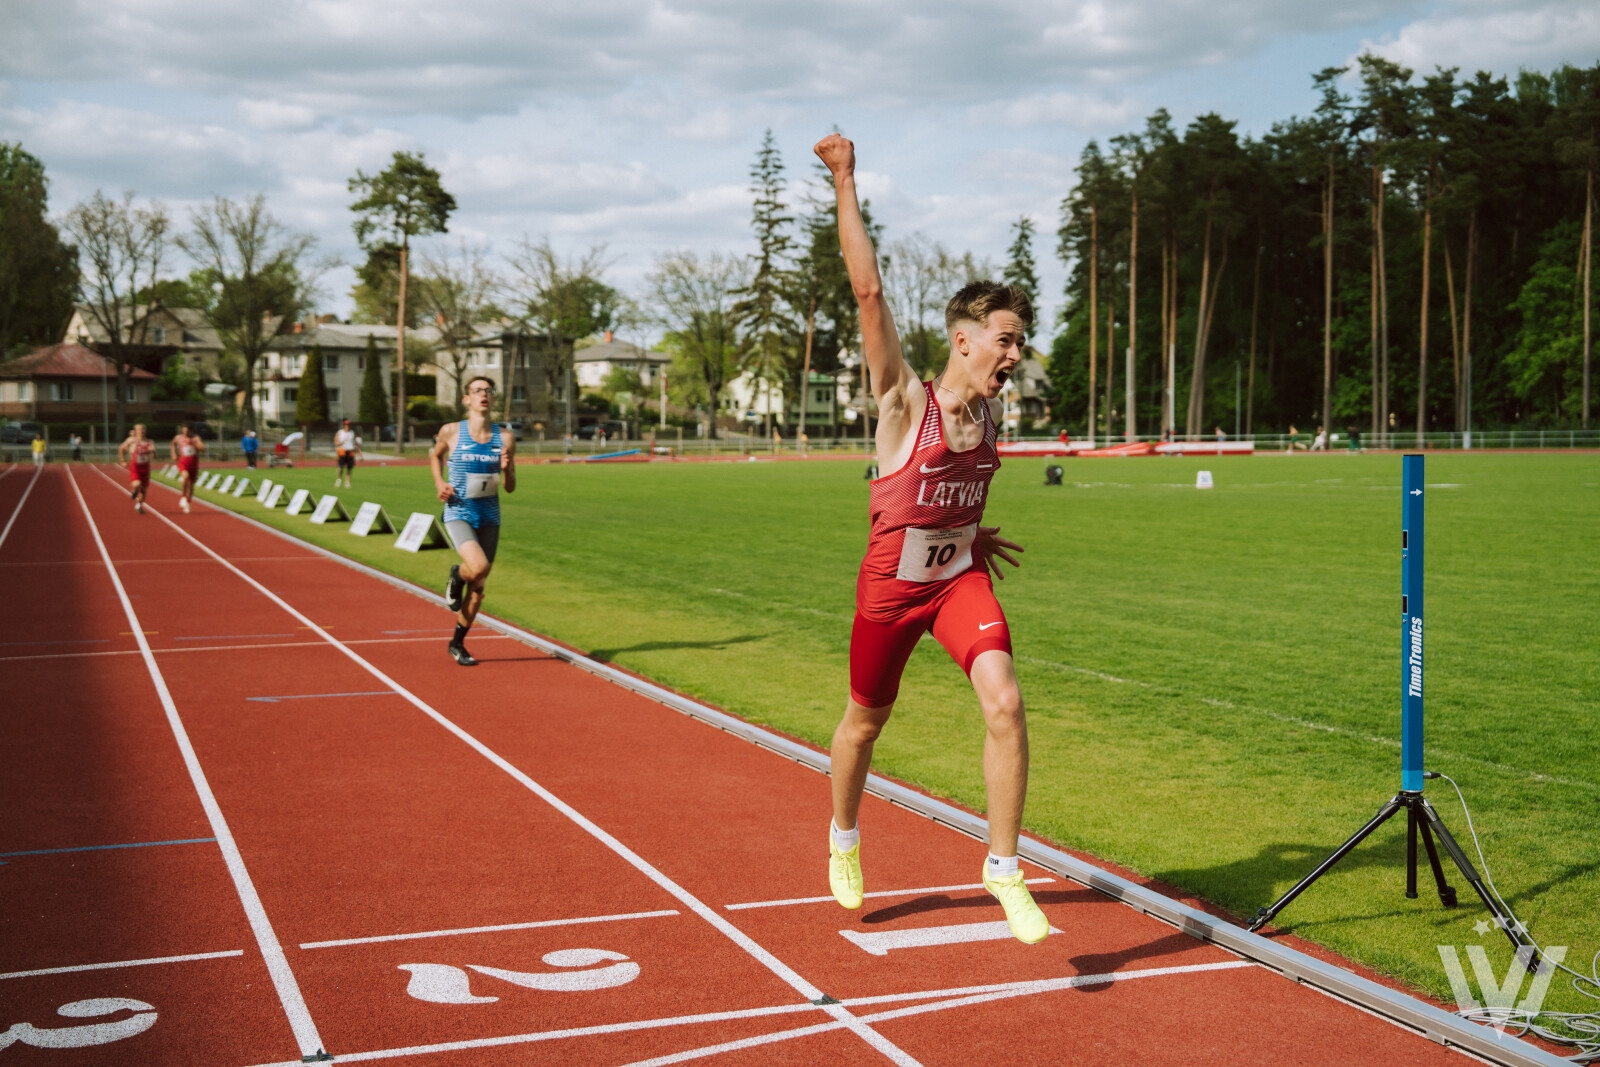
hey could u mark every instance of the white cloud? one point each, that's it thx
(276, 115)
(1498, 36)
(478, 57)
(1085, 112)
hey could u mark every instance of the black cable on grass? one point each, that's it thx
(1580, 1030)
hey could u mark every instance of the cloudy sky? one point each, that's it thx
(632, 123)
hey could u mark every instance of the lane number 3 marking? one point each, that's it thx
(440, 983)
(89, 1033)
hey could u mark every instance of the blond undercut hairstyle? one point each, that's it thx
(976, 301)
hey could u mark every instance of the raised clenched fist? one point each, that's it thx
(838, 154)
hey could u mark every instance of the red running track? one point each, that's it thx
(349, 845)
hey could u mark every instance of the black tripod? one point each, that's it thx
(1420, 815)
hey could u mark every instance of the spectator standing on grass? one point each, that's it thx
(77, 447)
(249, 444)
(38, 451)
(348, 446)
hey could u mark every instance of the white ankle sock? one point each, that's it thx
(845, 839)
(1002, 866)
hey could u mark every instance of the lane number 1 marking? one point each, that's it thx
(89, 1033)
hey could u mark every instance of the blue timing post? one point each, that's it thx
(1411, 626)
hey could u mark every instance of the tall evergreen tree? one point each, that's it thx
(374, 407)
(311, 402)
(1021, 270)
(38, 272)
(768, 331)
(405, 200)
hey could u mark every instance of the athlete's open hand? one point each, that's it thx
(838, 154)
(990, 544)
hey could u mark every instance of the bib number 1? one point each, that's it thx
(480, 486)
(933, 555)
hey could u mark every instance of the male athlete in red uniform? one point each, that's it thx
(928, 559)
(137, 452)
(186, 449)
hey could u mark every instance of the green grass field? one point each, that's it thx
(1212, 677)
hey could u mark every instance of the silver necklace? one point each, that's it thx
(938, 383)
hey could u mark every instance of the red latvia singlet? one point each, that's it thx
(925, 518)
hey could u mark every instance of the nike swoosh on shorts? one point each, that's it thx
(986, 625)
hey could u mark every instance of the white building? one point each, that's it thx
(344, 361)
(592, 366)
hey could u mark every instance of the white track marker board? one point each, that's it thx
(370, 519)
(204, 481)
(227, 484)
(266, 487)
(298, 502)
(211, 480)
(274, 495)
(422, 531)
(329, 510)
(241, 489)
(1202, 480)
(169, 471)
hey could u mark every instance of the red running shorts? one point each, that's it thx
(963, 616)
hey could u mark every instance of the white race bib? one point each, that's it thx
(932, 555)
(482, 485)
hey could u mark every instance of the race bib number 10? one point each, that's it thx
(932, 555)
(480, 486)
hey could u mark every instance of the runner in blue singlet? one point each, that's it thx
(471, 459)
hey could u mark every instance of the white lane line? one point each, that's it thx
(1051, 985)
(883, 942)
(320, 696)
(489, 929)
(735, 1046)
(236, 648)
(957, 997)
(125, 963)
(283, 980)
(875, 893)
(639, 863)
(18, 509)
(978, 995)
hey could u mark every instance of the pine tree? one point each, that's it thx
(761, 312)
(1021, 270)
(374, 409)
(311, 402)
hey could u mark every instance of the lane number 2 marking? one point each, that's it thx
(440, 983)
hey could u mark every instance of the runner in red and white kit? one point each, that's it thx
(137, 452)
(186, 449)
(928, 560)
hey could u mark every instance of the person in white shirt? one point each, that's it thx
(348, 446)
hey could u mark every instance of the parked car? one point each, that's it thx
(20, 433)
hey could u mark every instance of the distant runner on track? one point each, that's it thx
(137, 452)
(928, 559)
(470, 459)
(186, 449)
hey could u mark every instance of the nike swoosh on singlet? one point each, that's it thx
(986, 625)
(933, 470)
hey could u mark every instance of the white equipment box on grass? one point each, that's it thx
(241, 489)
(266, 487)
(227, 484)
(329, 510)
(422, 531)
(274, 495)
(371, 518)
(298, 501)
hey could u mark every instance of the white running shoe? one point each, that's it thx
(138, 506)
(183, 502)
